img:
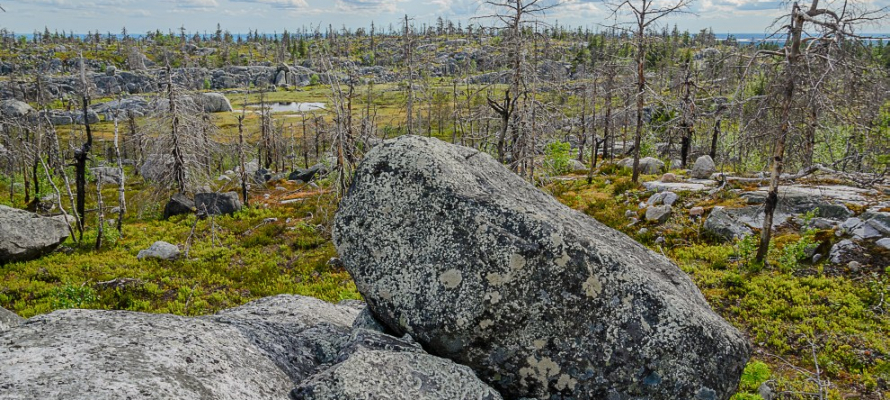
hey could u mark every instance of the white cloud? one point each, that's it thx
(276, 3)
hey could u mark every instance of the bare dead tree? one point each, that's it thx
(644, 13)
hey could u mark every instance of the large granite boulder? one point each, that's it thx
(9, 319)
(107, 175)
(724, 224)
(257, 351)
(26, 236)
(159, 250)
(306, 175)
(179, 204)
(480, 267)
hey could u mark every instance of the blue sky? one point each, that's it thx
(139, 16)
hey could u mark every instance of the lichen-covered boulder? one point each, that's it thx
(214, 102)
(218, 203)
(159, 250)
(541, 301)
(648, 165)
(725, 225)
(26, 236)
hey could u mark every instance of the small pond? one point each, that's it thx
(291, 106)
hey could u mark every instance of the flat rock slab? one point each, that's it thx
(834, 193)
(658, 186)
(541, 301)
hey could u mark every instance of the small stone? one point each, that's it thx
(703, 168)
(270, 220)
(669, 178)
(817, 258)
(642, 231)
(854, 266)
(660, 240)
(884, 243)
(696, 211)
(669, 198)
(630, 214)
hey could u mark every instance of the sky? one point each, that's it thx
(274, 16)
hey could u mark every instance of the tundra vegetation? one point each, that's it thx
(108, 129)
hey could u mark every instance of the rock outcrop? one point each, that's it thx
(541, 301)
(703, 169)
(26, 236)
(256, 351)
(218, 203)
(648, 165)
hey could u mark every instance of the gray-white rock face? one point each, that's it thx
(160, 250)
(97, 355)
(725, 225)
(648, 165)
(576, 166)
(9, 319)
(704, 167)
(214, 102)
(378, 374)
(884, 243)
(666, 198)
(480, 267)
(27, 236)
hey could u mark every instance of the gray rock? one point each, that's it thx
(576, 166)
(845, 251)
(369, 374)
(669, 198)
(884, 243)
(214, 102)
(365, 320)
(648, 165)
(658, 214)
(218, 203)
(107, 175)
(704, 167)
(160, 250)
(15, 109)
(306, 175)
(26, 236)
(9, 320)
(851, 224)
(301, 335)
(879, 221)
(724, 225)
(179, 204)
(61, 117)
(866, 231)
(104, 355)
(540, 300)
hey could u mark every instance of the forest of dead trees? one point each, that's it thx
(813, 95)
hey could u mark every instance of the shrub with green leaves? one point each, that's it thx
(557, 158)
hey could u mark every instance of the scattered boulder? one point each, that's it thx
(704, 167)
(884, 243)
(576, 166)
(308, 174)
(845, 251)
(658, 214)
(179, 204)
(696, 212)
(15, 109)
(107, 175)
(669, 178)
(9, 320)
(27, 236)
(214, 102)
(218, 203)
(160, 250)
(666, 198)
(648, 165)
(540, 300)
(725, 225)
